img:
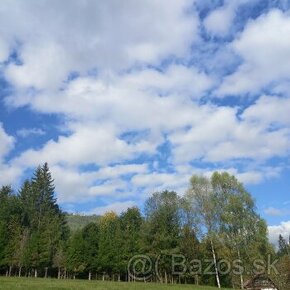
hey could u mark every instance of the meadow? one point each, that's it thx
(43, 284)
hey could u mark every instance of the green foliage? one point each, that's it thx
(90, 236)
(284, 247)
(32, 225)
(131, 223)
(216, 219)
(163, 222)
(76, 260)
(110, 242)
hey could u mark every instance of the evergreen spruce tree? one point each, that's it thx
(91, 247)
(162, 229)
(76, 258)
(42, 219)
(5, 192)
(131, 224)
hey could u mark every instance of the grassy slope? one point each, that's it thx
(43, 284)
(76, 222)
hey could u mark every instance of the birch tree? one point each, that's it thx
(204, 204)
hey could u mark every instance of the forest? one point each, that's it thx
(214, 225)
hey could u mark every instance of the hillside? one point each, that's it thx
(77, 221)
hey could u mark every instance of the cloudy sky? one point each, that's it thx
(123, 98)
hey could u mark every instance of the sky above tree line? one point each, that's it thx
(124, 98)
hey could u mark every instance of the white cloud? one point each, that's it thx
(247, 176)
(219, 21)
(26, 132)
(269, 110)
(4, 50)
(135, 91)
(6, 142)
(9, 174)
(210, 126)
(272, 211)
(111, 187)
(253, 143)
(156, 181)
(122, 99)
(118, 170)
(281, 229)
(87, 35)
(71, 185)
(175, 80)
(194, 132)
(74, 185)
(117, 207)
(94, 143)
(218, 135)
(264, 47)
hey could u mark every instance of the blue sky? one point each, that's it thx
(124, 98)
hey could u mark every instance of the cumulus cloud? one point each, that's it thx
(137, 109)
(272, 211)
(270, 111)
(94, 143)
(116, 97)
(4, 50)
(87, 35)
(9, 174)
(221, 136)
(126, 131)
(219, 21)
(264, 47)
(117, 207)
(6, 142)
(276, 230)
(26, 132)
(74, 185)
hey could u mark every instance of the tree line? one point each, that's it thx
(215, 220)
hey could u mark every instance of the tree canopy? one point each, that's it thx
(215, 219)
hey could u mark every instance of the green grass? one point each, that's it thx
(43, 284)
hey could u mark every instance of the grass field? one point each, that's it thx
(43, 284)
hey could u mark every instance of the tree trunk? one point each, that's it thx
(165, 278)
(35, 273)
(10, 270)
(90, 275)
(241, 274)
(58, 273)
(196, 280)
(45, 273)
(103, 277)
(19, 271)
(215, 265)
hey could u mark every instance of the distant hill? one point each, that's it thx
(76, 221)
